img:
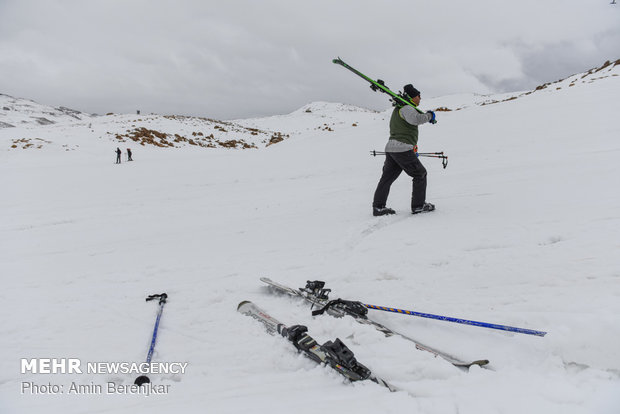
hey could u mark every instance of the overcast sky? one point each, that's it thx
(232, 59)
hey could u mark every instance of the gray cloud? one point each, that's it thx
(246, 58)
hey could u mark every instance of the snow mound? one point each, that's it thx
(316, 116)
(330, 108)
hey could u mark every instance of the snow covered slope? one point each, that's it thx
(69, 129)
(20, 112)
(525, 234)
(460, 101)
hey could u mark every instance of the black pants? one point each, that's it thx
(395, 163)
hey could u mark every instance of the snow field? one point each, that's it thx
(525, 234)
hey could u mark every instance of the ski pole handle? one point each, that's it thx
(162, 297)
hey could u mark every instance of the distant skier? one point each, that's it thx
(401, 155)
(118, 155)
(129, 154)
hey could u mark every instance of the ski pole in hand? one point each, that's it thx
(444, 158)
(458, 320)
(143, 379)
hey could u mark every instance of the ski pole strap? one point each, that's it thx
(162, 298)
(348, 306)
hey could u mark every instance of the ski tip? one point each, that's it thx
(265, 279)
(337, 61)
(242, 304)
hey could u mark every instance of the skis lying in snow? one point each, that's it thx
(315, 294)
(335, 354)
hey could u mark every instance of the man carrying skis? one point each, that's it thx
(401, 155)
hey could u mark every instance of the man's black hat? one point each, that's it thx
(410, 91)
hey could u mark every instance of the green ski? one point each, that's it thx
(378, 85)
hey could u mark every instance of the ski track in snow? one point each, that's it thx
(525, 234)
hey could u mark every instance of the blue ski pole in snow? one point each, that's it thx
(457, 320)
(143, 379)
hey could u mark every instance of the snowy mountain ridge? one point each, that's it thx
(173, 131)
(461, 101)
(19, 112)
